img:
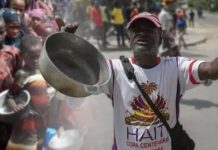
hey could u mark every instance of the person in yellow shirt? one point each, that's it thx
(118, 21)
(89, 9)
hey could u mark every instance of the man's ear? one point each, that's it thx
(128, 35)
(160, 40)
(161, 37)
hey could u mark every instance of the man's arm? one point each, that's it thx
(208, 70)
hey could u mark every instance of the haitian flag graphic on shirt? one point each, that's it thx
(143, 117)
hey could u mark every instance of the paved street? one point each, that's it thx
(199, 106)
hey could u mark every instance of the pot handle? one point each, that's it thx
(94, 89)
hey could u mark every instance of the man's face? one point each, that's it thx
(144, 37)
(2, 32)
(19, 6)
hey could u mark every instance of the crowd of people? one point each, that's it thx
(104, 20)
(24, 27)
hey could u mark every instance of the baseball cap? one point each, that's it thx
(10, 15)
(145, 15)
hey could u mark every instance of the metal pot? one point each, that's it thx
(68, 140)
(72, 65)
(9, 116)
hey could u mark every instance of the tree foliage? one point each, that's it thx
(205, 4)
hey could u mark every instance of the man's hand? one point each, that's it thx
(15, 107)
(60, 22)
(71, 28)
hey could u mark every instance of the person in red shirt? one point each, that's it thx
(134, 10)
(9, 64)
(98, 23)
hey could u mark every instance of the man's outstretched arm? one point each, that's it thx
(208, 70)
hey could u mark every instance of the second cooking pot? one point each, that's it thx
(9, 116)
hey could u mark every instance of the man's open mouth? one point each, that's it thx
(142, 42)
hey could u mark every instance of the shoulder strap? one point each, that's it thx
(129, 70)
(178, 94)
(112, 69)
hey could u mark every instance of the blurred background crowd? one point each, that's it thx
(99, 19)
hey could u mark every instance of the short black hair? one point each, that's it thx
(29, 41)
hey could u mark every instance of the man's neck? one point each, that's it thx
(148, 61)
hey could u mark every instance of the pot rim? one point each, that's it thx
(12, 112)
(66, 76)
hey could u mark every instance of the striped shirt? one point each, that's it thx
(29, 130)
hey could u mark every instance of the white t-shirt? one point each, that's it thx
(136, 125)
(165, 20)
